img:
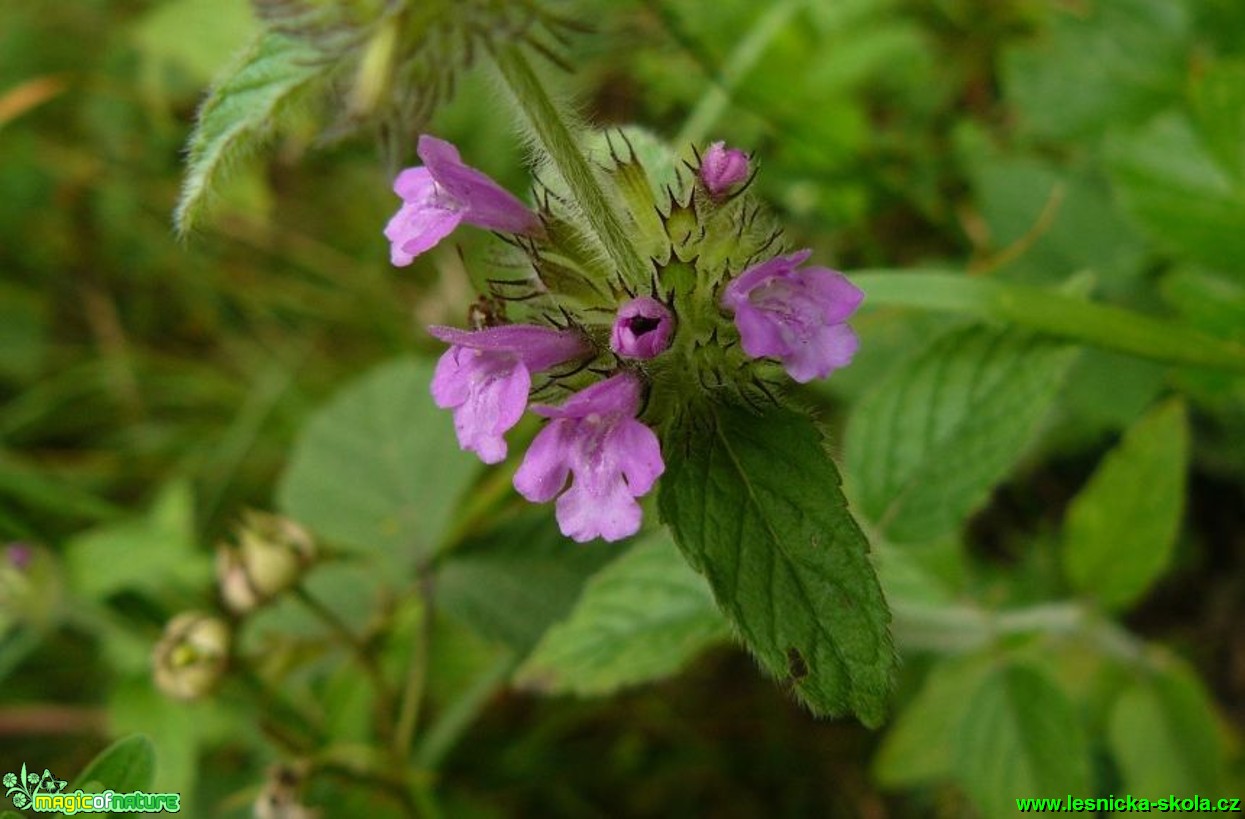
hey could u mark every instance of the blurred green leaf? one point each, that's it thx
(1020, 737)
(244, 109)
(785, 559)
(23, 332)
(1051, 313)
(1177, 191)
(927, 446)
(1213, 303)
(219, 27)
(514, 582)
(917, 748)
(1098, 64)
(155, 552)
(1162, 731)
(639, 619)
(1121, 527)
(379, 469)
(1218, 103)
(129, 764)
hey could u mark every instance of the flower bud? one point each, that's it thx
(722, 168)
(190, 658)
(30, 586)
(642, 329)
(272, 554)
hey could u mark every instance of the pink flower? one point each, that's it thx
(795, 315)
(723, 168)
(443, 193)
(612, 457)
(486, 374)
(642, 328)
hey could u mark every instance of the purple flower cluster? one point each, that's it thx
(594, 455)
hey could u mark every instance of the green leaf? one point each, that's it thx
(1176, 190)
(1020, 738)
(641, 618)
(129, 764)
(754, 503)
(1121, 527)
(379, 470)
(1050, 313)
(244, 108)
(154, 552)
(1098, 65)
(926, 447)
(1218, 102)
(513, 583)
(917, 747)
(1163, 734)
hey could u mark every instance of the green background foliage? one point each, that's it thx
(1041, 441)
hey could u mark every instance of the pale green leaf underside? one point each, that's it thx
(1020, 738)
(641, 618)
(378, 470)
(928, 444)
(241, 112)
(754, 503)
(1121, 528)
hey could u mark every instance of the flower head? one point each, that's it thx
(190, 658)
(795, 315)
(722, 168)
(612, 457)
(19, 555)
(642, 328)
(486, 374)
(443, 193)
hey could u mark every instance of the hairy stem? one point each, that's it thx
(550, 126)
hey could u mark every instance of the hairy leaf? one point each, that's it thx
(754, 503)
(639, 619)
(241, 112)
(927, 446)
(1121, 528)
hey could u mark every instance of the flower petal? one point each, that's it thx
(546, 465)
(837, 297)
(612, 514)
(638, 455)
(488, 205)
(496, 402)
(418, 227)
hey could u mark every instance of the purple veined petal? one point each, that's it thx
(618, 394)
(538, 347)
(836, 295)
(831, 348)
(759, 335)
(451, 381)
(487, 204)
(612, 514)
(547, 463)
(416, 228)
(638, 453)
(496, 404)
(779, 266)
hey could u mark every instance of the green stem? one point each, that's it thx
(454, 721)
(416, 675)
(556, 138)
(713, 104)
(1052, 313)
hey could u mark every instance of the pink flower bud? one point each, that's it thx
(722, 168)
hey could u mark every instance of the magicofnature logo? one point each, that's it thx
(45, 793)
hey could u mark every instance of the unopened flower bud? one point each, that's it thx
(722, 168)
(190, 658)
(271, 556)
(642, 329)
(30, 587)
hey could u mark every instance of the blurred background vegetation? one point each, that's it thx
(151, 389)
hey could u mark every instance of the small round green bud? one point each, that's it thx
(271, 556)
(191, 656)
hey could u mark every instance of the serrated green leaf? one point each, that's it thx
(927, 446)
(755, 505)
(1098, 65)
(917, 746)
(243, 110)
(1163, 735)
(639, 619)
(1020, 738)
(129, 764)
(511, 584)
(379, 470)
(1176, 190)
(1121, 527)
